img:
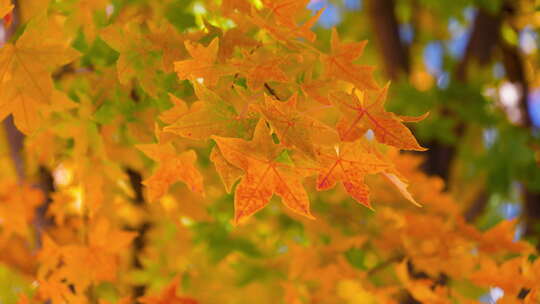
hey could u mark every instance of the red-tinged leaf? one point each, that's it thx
(172, 167)
(349, 163)
(212, 115)
(6, 8)
(8, 19)
(360, 114)
(339, 64)
(295, 129)
(264, 175)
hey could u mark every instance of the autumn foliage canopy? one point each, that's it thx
(158, 143)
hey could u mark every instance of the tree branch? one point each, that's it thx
(386, 27)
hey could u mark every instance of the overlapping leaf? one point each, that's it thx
(349, 163)
(26, 86)
(295, 129)
(172, 167)
(264, 175)
(361, 114)
(212, 115)
(339, 63)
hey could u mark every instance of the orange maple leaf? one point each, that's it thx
(260, 67)
(178, 110)
(264, 174)
(359, 116)
(172, 167)
(293, 128)
(289, 30)
(98, 258)
(211, 115)
(349, 163)
(168, 296)
(203, 63)
(318, 90)
(284, 11)
(339, 63)
(18, 205)
(228, 173)
(26, 86)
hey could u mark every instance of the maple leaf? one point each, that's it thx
(349, 163)
(499, 238)
(139, 58)
(260, 67)
(55, 289)
(172, 167)
(203, 63)
(82, 15)
(289, 31)
(295, 129)
(178, 110)
(228, 173)
(509, 275)
(17, 208)
(167, 39)
(285, 11)
(359, 116)
(26, 85)
(236, 38)
(98, 258)
(59, 206)
(212, 115)
(264, 174)
(318, 90)
(401, 185)
(340, 64)
(168, 296)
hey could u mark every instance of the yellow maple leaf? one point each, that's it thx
(25, 71)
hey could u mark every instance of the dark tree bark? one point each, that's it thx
(482, 42)
(139, 243)
(384, 24)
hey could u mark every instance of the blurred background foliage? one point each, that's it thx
(473, 64)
